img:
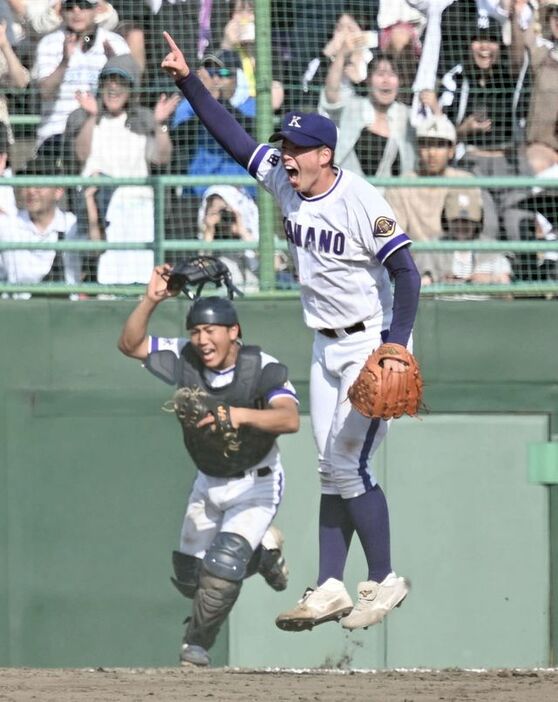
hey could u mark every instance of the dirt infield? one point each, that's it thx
(224, 685)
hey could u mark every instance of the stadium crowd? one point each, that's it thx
(439, 88)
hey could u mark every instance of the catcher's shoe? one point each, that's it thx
(328, 602)
(190, 654)
(272, 565)
(375, 600)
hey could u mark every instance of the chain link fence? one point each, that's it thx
(106, 170)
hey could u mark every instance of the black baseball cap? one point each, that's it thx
(224, 59)
(307, 129)
(485, 27)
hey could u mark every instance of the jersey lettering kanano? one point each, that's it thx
(339, 242)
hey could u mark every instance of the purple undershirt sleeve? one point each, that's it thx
(406, 278)
(222, 126)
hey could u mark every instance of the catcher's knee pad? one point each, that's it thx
(187, 573)
(228, 556)
(213, 602)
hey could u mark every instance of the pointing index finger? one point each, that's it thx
(170, 41)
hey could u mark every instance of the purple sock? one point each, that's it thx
(336, 531)
(370, 517)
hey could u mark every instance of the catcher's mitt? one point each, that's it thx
(385, 394)
(193, 404)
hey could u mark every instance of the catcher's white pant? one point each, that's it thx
(244, 506)
(345, 439)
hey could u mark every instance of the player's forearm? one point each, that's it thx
(406, 292)
(276, 420)
(217, 120)
(134, 340)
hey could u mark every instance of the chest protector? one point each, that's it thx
(249, 388)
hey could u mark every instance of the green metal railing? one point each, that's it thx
(270, 241)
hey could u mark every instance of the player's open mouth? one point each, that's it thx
(207, 354)
(292, 173)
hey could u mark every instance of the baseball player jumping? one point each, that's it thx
(346, 246)
(226, 535)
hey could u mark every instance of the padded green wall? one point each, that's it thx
(93, 482)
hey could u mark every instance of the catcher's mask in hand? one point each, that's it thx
(197, 271)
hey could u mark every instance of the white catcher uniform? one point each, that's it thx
(244, 506)
(339, 241)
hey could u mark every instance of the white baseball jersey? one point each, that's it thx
(339, 241)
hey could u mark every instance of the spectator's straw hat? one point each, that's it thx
(463, 204)
(437, 127)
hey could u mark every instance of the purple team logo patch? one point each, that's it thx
(384, 226)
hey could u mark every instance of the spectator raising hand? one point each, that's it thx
(87, 101)
(165, 107)
(354, 45)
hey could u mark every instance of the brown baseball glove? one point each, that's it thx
(385, 394)
(193, 404)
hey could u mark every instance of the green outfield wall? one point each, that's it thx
(93, 483)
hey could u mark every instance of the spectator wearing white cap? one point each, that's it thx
(419, 210)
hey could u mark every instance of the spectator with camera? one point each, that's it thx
(201, 153)
(229, 213)
(68, 60)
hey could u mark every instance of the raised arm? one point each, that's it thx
(222, 126)
(134, 340)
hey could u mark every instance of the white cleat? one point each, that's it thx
(328, 602)
(375, 600)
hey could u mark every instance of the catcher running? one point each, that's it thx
(346, 246)
(232, 401)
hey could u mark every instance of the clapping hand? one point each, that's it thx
(165, 106)
(72, 41)
(87, 101)
(174, 62)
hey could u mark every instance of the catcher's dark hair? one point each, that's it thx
(212, 310)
